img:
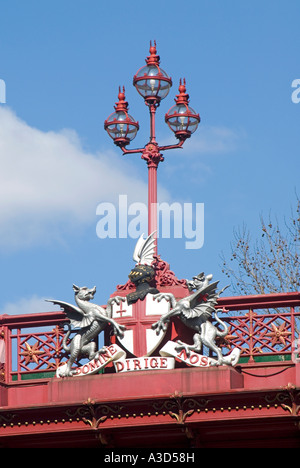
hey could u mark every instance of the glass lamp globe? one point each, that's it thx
(151, 81)
(181, 118)
(120, 126)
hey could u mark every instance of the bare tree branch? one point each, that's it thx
(270, 264)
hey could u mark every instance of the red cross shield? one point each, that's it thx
(139, 337)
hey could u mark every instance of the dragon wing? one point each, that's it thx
(144, 250)
(76, 316)
(203, 302)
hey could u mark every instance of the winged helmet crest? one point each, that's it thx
(144, 250)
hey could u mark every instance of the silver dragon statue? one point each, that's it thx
(196, 312)
(89, 320)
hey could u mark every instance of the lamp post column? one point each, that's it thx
(153, 157)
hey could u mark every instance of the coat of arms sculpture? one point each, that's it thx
(139, 321)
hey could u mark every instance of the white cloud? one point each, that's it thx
(31, 305)
(213, 140)
(210, 140)
(49, 184)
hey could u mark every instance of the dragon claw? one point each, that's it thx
(159, 326)
(184, 346)
(119, 331)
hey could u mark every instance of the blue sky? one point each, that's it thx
(62, 62)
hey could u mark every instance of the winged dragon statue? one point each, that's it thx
(196, 312)
(89, 320)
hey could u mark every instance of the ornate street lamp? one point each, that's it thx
(153, 84)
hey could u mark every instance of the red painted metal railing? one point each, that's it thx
(264, 328)
(268, 330)
(31, 345)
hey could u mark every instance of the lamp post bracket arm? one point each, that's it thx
(178, 145)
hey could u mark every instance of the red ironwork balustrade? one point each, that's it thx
(263, 328)
(31, 345)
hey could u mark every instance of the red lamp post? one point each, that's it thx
(153, 84)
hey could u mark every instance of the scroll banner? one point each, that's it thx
(198, 360)
(110, 353)
(144, 363)
(193, 359)
(115, 354)
(166, 360)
